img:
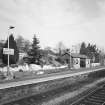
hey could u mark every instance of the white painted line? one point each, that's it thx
(38, 80)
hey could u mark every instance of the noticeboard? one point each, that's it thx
(8, 51)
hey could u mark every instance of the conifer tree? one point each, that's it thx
(12, 45)
(83, 49)
(34, 53)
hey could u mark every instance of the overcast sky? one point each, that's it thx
(69, 21)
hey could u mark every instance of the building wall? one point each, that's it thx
(21, 55)
(76, 63)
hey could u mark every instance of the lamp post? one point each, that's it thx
(8, 71)
(70, 60)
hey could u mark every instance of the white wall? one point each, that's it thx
(21, 55)
(76, 63)
(95, 64)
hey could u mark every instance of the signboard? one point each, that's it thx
(8, 51)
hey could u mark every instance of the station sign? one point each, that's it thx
(8, 51)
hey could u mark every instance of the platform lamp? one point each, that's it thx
(8, 71)
(70, 59)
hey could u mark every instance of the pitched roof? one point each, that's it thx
(76, 55)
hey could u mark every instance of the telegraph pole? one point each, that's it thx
(69, 63)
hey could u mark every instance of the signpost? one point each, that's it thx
(8, 51)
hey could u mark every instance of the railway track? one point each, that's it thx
(96, 97)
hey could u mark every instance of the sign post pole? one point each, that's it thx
(8, 71)
(8, 51)
(8, 56)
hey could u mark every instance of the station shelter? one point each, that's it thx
(76, 60)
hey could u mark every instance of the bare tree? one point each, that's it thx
(20, 41)
(60, 47)
(23, 44)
